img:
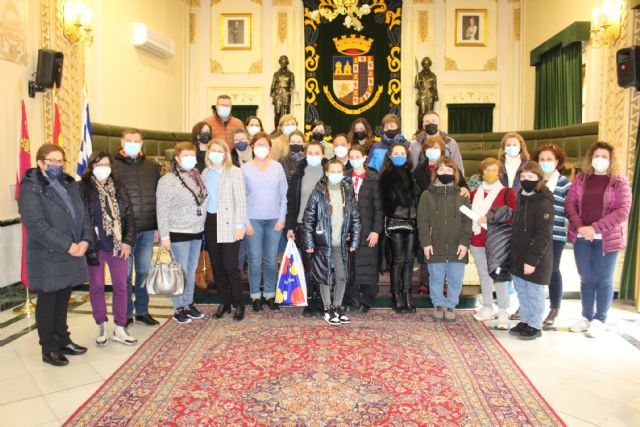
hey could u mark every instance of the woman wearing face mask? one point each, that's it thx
(390, 136)
(58, 234)
(484, 201)
(225, 225)
(445, 234)
(296, 154)
(531, 249)
(253, 125)
(181, 209)
(241, 152)
(399, 197)
(310, 170)
(266, 189)
(114, 235)
(280, 145)
(331, 229)
(318, 134)
(513, 154)
(200, 137)
(598, 205)
(361, 133)
(551, 159)
(341, 150)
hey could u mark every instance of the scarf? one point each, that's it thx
(481, 203)
(192, 181)
(110, 212)
(552, 183)
(512, 164)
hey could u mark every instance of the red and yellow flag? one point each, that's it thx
(24, 164)
(57, 128)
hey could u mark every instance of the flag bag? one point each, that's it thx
(292, 286)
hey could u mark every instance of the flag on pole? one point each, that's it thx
(24, 164)
(85, 145)
(57, 128)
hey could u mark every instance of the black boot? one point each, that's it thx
(271, 303)
(406, 290)
(396, 284)
(239, 314)
(222, 310)
(257, 305)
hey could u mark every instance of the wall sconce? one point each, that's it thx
(77, 23)
(605, 25)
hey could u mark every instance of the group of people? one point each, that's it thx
(356, 206)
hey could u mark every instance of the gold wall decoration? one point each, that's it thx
(193, 3)
(13, 31)
(46, 43)
(281, 3)
(450, 64)
(282, 26)
(216, 67)
(256, 67)
(634, 113)
(516, 24)
(259, 2)
(422, 1)
(192, 27)
(423, 25)
(491, 64)
(214, 2)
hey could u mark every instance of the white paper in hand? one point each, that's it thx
(472, 215)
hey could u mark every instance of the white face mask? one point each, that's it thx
(261, 152)
(600, 164)
(341, 151)
(102, 172)
(253, 130)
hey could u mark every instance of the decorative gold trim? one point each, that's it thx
(282, 26)
(192, 27)
(422, 1)
(364, 108)
(450, 64)
(215, 67)
(516, 24)
(234, 16)
(281, 3)
(214, 2)
(256, 67)
(483, 41)
(423, 25)
(491, 64)
(193, 3)
(259, 2)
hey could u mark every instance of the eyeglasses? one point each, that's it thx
(54, 162)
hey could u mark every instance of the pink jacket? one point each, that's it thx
(613, 222)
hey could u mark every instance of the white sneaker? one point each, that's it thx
(581, 326)
(503, 320)
(122, 335)
(331, 318)
(485, 313)
(103, 335)
(596, 328)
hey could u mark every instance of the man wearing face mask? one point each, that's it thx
(431, 126)
(222, 123)
(139, 176)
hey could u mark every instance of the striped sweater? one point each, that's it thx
(560, 220)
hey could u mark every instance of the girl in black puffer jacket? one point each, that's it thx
(331, 230)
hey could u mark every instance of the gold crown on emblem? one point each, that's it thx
(352, 45)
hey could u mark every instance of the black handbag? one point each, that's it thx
(91, 256)
(392, 225)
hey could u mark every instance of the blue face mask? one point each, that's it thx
(216, 158)
(289, 129)
(399, 160)
(223, 111)
(314, 161)
(242, 145)
(547, 167)
(335, 178)
(432, 154)
(188, 162)
(512, 150)
(54, 171)
(132, 149)
(357, 164)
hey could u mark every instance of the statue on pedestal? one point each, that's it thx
(427, 87)
(281, 90)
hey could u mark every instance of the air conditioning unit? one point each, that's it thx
(152, 41)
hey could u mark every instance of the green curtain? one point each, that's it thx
(628, 281)
(470, 118)
(559, 87)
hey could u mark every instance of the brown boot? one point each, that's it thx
(551, 317)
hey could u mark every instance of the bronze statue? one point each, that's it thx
(427, 90)
(281, 90)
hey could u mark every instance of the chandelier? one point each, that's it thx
(331, 9)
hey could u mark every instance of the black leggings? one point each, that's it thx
(224, 261)
(402, 253)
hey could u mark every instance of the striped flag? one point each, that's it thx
(85, 145)
(57, 127)
(24, 164)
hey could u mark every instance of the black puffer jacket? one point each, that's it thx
(293, 195)
(51, 230)
(532, 237)
(290, 165)
(498, 243)
(317, 230)
(88, 193)
(140, 178)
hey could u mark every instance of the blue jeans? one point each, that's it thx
(187, 255)
(596, 277)
(263, 256)
(454, 271)
(141, 254)
(555, 287)
(531, 298)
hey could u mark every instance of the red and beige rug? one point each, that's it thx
(282, 369)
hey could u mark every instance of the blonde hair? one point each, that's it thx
(524, 153)
(183, 146)
(227, 163)
(614, 166)
(286, 118)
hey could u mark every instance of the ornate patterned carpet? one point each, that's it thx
(282, 369)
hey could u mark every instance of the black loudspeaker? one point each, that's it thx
(48, 72)
(628, 67)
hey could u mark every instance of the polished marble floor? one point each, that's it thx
(588, 381)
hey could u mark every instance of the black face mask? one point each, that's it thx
(391, 133)
(204, 138)
(431, 128)
(446, 179)
(318, 136)
(528, 185)
(296, 148)
(360, 135)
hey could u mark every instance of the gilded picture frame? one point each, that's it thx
(471, 27)
(235, 31)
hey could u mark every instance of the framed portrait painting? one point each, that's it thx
(471, 27)
(235, 31)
